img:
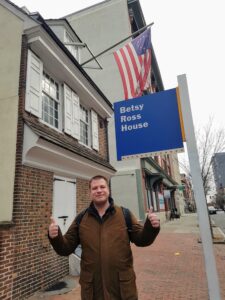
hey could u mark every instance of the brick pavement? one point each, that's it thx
(172, 268)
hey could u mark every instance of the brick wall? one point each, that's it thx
(103, 138)
(6, 262)
(35, 263)
(83, 198)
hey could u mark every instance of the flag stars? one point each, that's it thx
(134, 63)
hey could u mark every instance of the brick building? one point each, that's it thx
(53, 140)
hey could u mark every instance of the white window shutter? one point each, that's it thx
(68, 110)
(76, 116)
(94, 128)
(33, 102)
(71, 113)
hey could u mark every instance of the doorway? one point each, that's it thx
(64, 202)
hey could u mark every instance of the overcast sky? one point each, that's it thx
(187, 38)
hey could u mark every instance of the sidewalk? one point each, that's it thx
(172, 268)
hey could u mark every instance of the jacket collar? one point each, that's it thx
(110, 209)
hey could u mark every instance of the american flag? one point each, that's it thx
(134, 63)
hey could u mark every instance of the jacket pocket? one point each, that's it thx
(128, 288)
(86, 282)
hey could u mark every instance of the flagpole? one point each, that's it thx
(138, 31)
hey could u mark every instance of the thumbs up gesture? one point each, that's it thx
(53, 229)
(153, 218)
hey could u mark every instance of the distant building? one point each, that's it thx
(188, 193)
(218, 166)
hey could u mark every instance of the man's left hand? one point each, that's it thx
(153, 218)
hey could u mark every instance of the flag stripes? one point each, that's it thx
(134, 69)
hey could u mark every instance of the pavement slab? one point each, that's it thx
(172, 268)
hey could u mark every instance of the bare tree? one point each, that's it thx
(210, 140)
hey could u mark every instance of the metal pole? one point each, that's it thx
(140, 30)
(210, 264)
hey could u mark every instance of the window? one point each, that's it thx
(89, 128)
(80, 122)
(84, 125)
(50, 101)
(47, 99)
(69, 43)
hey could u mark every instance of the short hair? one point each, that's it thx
(97, 177)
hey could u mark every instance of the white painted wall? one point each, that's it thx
(100, 27)
(125, 191)
(11, 28)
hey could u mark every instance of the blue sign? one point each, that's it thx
(148, 125)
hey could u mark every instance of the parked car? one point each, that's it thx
(219, 211)
(211, 210)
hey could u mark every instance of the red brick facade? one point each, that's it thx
(35, 263)
(82, 194)
(6, 262)
(103, 139)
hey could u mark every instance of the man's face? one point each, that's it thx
(99, 191)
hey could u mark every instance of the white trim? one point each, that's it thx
(33, 98)
(170, 151)
(67, 179)
(41, 154)
(71, 112)
(102, 107)
(94, 130)
(76, 116)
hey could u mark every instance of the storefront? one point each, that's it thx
(159, 188)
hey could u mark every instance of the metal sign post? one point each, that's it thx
(210, 264)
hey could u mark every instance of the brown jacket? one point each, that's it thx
(106, 263)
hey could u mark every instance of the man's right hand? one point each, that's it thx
(53, 229)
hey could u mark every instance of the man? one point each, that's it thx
(106, 263)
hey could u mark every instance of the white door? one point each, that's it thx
(64, 202)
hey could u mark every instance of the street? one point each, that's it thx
(219, 219)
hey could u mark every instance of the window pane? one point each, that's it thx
(47, 85)
(57, 90)
(72, 48)
(84, 125)
(84, 133)
(53, 91)
(45, 117)
(56, 114)
(50, 112)
(50, 97)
